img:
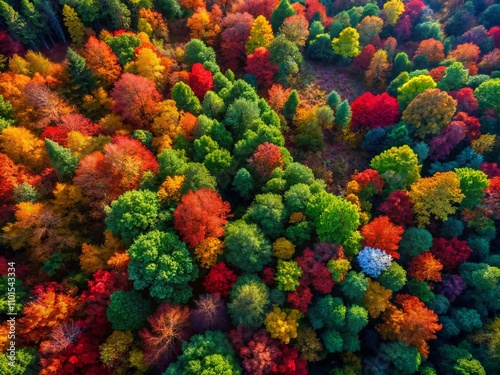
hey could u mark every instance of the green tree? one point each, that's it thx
(347, 43)
(81, 76)
(338, 221)
(119, 14)
(161, 262)
(185, 98)
(280, 13)
(17, 25)
(132, 214)
(290, 107)
(268, 211)
(398, 166)
(206, 354)
(128, 311)
(124, 46)
(243, 183)
(406, 359)
(246, 246)
(455, 77)
(287, 275)
(26, 362)
(212, 106)
(240, 114)
(61, 158)
(415, 241)
(343, 115)
(197, 177)
(327, 312)
(473, 184)
(170, 9)
(354, 286)
(488, 94)
(393, 278)
(195, 51)
(401, 63)
(287, 56)
(249, 302)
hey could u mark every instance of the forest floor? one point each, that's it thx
(340, 158)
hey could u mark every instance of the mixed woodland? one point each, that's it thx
(230, 187)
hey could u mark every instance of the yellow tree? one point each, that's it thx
(347, 43)
(147, 63)
(75, 27)
(283, 324)
(393, 9)
(204, 26)
(23, 147)
(438, 196)
(261, 34)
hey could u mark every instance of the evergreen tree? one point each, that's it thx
(290, 106)
(283, 11)
(81, 75)
(61, 159)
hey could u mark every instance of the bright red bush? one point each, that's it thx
(220, 279)
(382, 234)
(200, 80)
(261, 67)
(374, 111)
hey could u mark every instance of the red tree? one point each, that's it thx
(233, 39)
(200, 80)
(315, 272)
(451, 253)
(370, 182)
(494, 33)
(362, 61)
(300, 299)
(437, 73)
(96, 299)
(261, 67)
(467, 102)
(315, 6)
(491, 169)
(374, 111)
(472, 125)
(257, 7)
(130, 159)
(220, 279)
(398, 208)
(265, 159)
(200, 215)
(136, 100)
(382, 234)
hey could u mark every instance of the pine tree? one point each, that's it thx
(81, 75)
(61, 159)
(290, 106)
(17, 25)
(75, 27)
(283, 11)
